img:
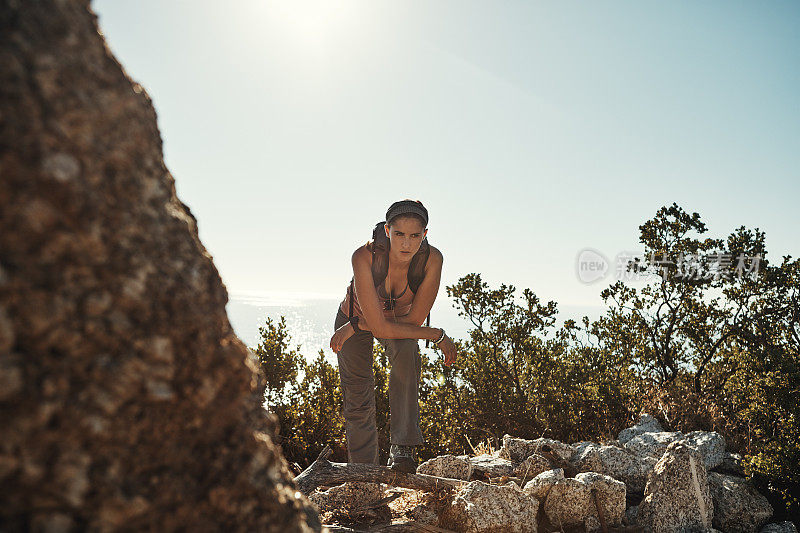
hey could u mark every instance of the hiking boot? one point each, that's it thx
(401, 458)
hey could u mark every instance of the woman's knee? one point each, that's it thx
(404, 349)
(359, 411)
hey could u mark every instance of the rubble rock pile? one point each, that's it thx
(648, 480)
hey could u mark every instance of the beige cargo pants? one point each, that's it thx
(358, 392)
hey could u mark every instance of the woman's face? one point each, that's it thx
(405, 235)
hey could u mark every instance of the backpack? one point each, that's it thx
(380, 265)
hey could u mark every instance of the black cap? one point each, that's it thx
(404, 207)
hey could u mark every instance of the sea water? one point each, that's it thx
(309, 319)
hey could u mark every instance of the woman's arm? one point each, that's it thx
(425, 295)
(370, 305)
(427, 291)
(381, 327)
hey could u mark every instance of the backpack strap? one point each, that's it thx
(350, 297)
(428, 323)
(380, 254)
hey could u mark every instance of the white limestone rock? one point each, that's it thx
(652, 444)
(586, 458)
(710, 444)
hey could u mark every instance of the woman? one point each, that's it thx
(391, 309)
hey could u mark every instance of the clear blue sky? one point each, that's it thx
(530, 130)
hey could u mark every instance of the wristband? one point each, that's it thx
(440, 339)
(354, 323)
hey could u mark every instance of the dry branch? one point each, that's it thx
(324, 472)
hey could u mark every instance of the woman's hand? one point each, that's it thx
(448, 348)
(341, 335)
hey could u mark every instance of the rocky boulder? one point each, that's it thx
(491, 465)
(710, 445)
(646, 424)
(782, 527)
(619, 463)
(648, 439)
(532, 466)
(677, 496)
(517, 450)
(127, 401)
(570, 501)
(483, 508)
(731, 465)
(651, 444)
(449, 466)
(539, 487)
(348, 496)
(738, 506)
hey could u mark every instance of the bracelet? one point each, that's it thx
(440, 339)
(354, 323)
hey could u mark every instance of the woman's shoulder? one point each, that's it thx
(362, 254)
(435, 258)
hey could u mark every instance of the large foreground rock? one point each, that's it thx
(483, 508)
(677, 496)
(738, 506)
(127, 401)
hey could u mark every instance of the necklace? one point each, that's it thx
(392, 300)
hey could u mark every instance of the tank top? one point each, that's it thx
(402, 302)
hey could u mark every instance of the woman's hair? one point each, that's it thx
(407, 215)
(404, 209)
(407, 209)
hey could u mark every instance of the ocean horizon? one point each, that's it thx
(310, 317)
